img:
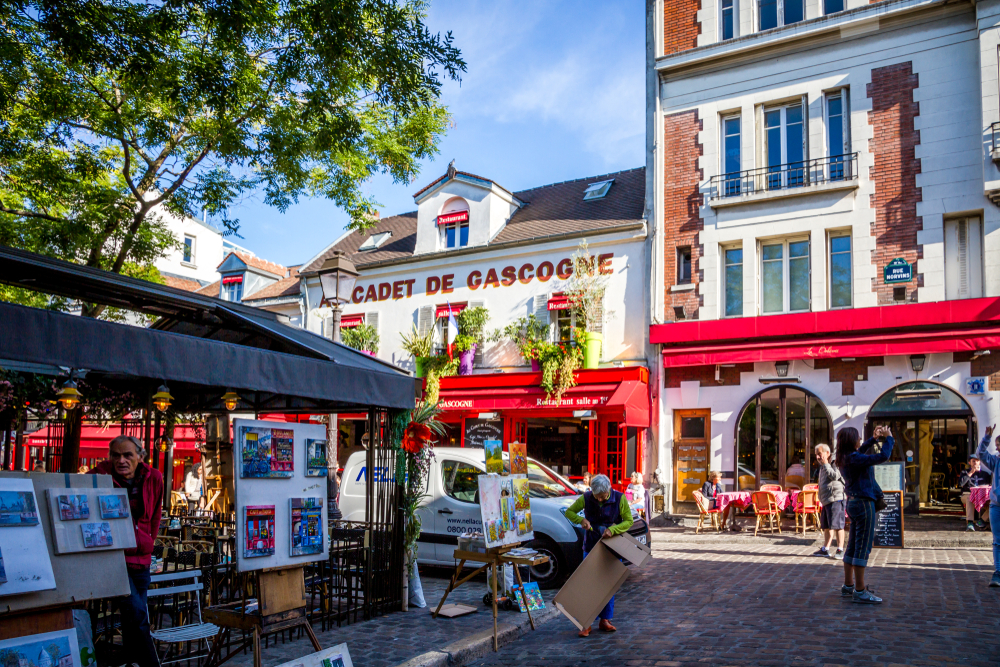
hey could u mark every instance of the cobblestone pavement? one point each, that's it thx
(395, 638)
(770, 603)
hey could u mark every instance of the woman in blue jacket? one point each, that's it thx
(992, 463)
(862, 492)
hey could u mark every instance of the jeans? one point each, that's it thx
(136, 640)
(995, 527)
(609, 609)
(861, 537)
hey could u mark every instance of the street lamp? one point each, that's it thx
(230, 399)
(68, 395)
(337, 276)
(162, 398)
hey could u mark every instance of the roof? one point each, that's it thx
(285, 287)
(186, 284)
(258, 263)
(549, 210)
(447, 175)
(211, 289)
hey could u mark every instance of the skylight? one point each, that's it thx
(375, 240)
(597, 190)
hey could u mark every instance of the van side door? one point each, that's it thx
(456, 508)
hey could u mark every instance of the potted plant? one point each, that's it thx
(471, 334)
(437, 367)
(527, 334)
(420, 346)
(586, 290)
(363, 337)
(559, 362)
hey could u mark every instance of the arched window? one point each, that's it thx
(454, 223)
(775, 436)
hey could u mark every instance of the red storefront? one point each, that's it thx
(601, 422)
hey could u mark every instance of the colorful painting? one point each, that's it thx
(73, 507)
(521, 491)
(307, 526)
(518, 452)
(17, 508)
(283, 448)
(50, 649)
(533, 595)
(336, 660)
(3, 572)
(503, 523)
(266, 452)
(527, 521)
(96, 535)
(259, 536)
(494, 456)
(316, 465)
(334, 656)
(113, 507)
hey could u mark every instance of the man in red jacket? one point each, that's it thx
(145, 496)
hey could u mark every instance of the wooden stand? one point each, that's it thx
(281, 604)
(492, 558)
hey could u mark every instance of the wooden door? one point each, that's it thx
(692, 434)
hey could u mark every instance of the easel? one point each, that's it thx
(281, 597)
(492, 558)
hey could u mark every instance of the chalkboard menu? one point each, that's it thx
(478, 430)
(889, 522)
(889, 476)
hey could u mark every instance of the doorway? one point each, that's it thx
(692, 434)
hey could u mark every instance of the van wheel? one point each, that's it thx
(551, 574)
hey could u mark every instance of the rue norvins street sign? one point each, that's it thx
(898, 271)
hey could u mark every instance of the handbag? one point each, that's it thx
(879, 497)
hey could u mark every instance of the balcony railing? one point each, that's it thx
(995, 131)
(833, 169)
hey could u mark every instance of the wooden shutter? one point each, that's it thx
(372, 319)
(477, 362)
(542, 311)
(425, 319)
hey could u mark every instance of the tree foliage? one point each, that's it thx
(112, 111)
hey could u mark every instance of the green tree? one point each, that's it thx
(113, 110)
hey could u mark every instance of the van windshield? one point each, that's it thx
(543, 484)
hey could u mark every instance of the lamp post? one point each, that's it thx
(337, 276)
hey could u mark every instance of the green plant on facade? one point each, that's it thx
(472, 327)
(417, 344)
(527, 334)
(362, 337)
(437, 367)
(559, 362)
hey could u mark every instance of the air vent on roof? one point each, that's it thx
(597, 190)
(375, 240)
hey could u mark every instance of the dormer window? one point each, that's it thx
(375, 240)
(454, 223)
(232, 288)
(597, 190)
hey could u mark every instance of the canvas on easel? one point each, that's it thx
(26, 564)
(48, 649)
(503, 522)
(335, 656)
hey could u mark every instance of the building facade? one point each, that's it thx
(825, 242)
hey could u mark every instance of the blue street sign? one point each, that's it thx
(898, 271)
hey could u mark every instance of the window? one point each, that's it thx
(784, 140)
(460, 480)
(731, 155)
(684, 265)
(832, 6)
(456, 235)
(597, 190)
(774, 13)
(728, 19)
(784, 276)
(840, 271)
(565, 321)
(375, 241)
(233, 290)
(837, 140)
(963, 258)
(733, 282)
(188, 249)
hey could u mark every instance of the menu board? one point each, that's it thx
(889, 476)
(889, 522)
(478, 431)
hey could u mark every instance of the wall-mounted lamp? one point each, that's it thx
(781, 368)
(230, 399)
(162, 398)
(584, 414)
(917, 362)
(487, 415)
(68, 395)
(980, 353)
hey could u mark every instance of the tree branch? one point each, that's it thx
(30, 214)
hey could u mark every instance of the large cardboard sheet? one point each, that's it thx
(70, 525)
(26, 564)
(264, 547)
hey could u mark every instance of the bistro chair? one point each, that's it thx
(811, 487)
(806, 506)
(771, 487)
(794, 482)
(178, 599)
(178, 504)
(766, 507)
(201, 546)
(703, 512)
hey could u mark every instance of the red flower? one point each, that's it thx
(415, 437)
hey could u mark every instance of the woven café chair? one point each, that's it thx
(766, 507)
(807, 505)
(703, 512)
(811, 487)
(201, 546)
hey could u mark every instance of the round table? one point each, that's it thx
(979, 496)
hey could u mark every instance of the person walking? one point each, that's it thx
(969, 480)
(862, 492)
(991, 462)
(145, 498)
(606, 513)
(833, 500)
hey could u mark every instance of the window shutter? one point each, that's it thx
(845, 105)
(599, 328)
(963, 259)
(477, 361)
(425, 319)
(542, 311)
(975, 257)
(372, 319)
(761, 136)
(326, 327)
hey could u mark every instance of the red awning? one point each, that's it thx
(559, 301)
(633, 398)
(456, 308)
(923, 328)
(94, 440)
(450, 218)
(351, 321)
(232, 279)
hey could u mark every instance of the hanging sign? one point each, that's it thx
(451, 218)
(898, 271)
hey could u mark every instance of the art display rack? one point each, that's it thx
(491, 559)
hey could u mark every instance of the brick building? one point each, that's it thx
(824, 245)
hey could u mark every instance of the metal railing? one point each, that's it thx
(832, 169)
(995, 130)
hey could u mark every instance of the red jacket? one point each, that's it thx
(148, 525)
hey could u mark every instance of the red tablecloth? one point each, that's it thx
(793, 497)
(979, 496)
(781, 498)
(743, 499)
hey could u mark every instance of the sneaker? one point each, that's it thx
(822, 553)
(995, 581)
(839, 555)
(970, 528)
(980, 524)
(846, 591)
(866, 597)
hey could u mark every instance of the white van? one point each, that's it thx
(452, 508)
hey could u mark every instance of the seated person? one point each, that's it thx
(971, 478)
(584, 485)
(638, 493)
(711, 490)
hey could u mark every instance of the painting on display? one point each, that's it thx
(335, 656)
(97, 535)
(259, 538)
(17, 508)
(73, 507)
(49, 649)
(113, 507)
(530, 598)
(316, 465)
(3, 572)
(494, 455)
(283, 446)
(518, 452)
(307, 521)
(266, 452)
(503, 523)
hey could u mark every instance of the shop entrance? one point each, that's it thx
(935, 432)
(560, 444)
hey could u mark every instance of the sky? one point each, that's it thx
(554, 91)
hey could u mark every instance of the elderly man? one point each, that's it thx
(834, 503)
(145, 496)
(605, 513)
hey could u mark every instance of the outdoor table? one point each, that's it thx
(793, 497)
(781, 499)
(740, 499)
(979, 496)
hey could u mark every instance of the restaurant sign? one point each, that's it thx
(898, 271)
(451, 218)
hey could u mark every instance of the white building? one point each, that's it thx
(825, 244)
(201, 248)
